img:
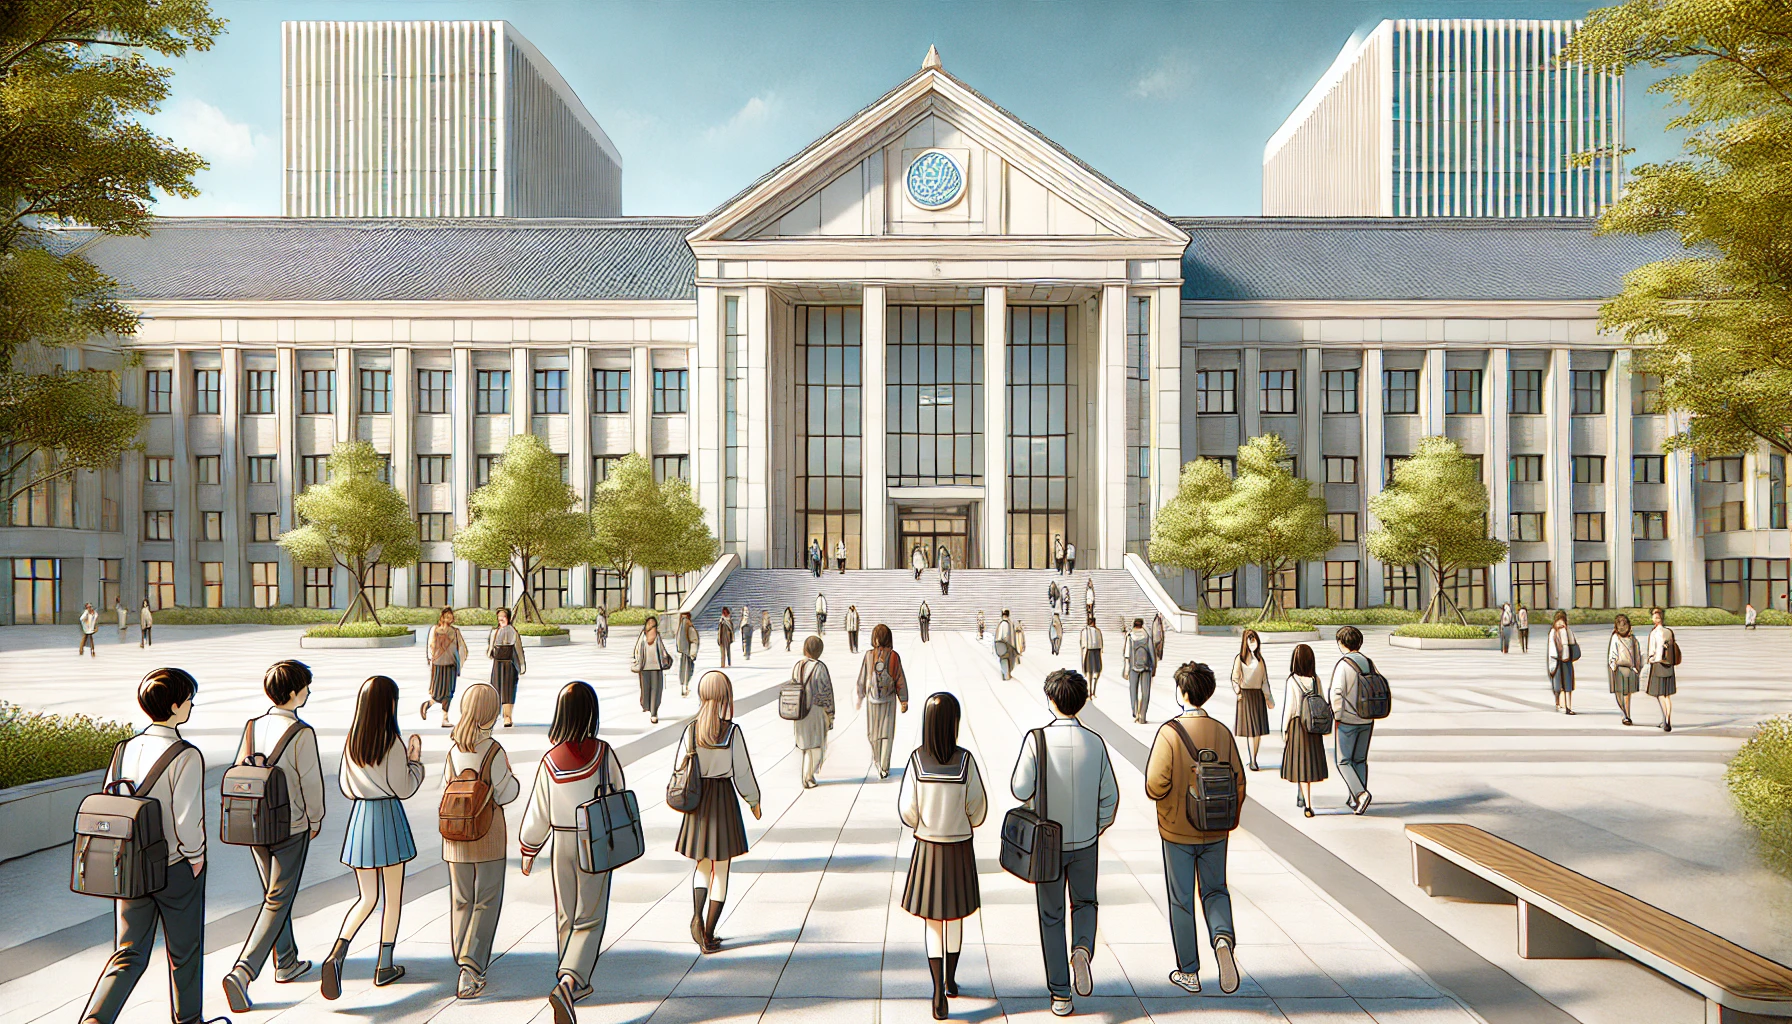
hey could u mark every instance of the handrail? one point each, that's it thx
(709, 583)
(1174, 617)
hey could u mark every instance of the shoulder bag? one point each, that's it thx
(684, 790)
(609, 824)
(1033, 844)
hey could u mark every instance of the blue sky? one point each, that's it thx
(1174, 100)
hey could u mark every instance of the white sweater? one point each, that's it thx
(394, 776)
(730, 760)
(938, 802)
(565, 780)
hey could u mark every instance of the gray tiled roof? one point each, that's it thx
(274, 258)
(1243, 258)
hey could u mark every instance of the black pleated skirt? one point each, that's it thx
(942, 881)
(1252, 718)
(714, 831)
(504, 679)
(441, 682)
(1092, 661)
(1303, 756)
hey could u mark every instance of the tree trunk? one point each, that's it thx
(360, 600)
(1272, 598)
(525, 608)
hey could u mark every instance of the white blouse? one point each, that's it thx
(394, 776)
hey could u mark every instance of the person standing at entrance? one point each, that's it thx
(943, 800)
(649, 663)
(945, 558)
(852, 628)
(1353, 731)
(789, 626)
(1661, 667)
(746, 632)
(1070, 557)
(1006, 655)
(124, 619)
(1141, 666)
(811, 731)
(884, 686)
(687, 643)
(725, 638)
(1055, 633)
(476, 864)
(1091, 645)
(917, 560)
(926, 620)
(1250, 682)
(1058, 552)
(815, 557)
(1506, 620)
(821, 613)
(713, 834)
(945, 580)
(1623, 663)
(90, 624)
(840, 555)
(146, 621)
(1522, 622)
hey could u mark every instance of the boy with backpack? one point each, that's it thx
(1359, 696)
(1196, 778)
(146, 851)
(1141, 666)
(285, 747)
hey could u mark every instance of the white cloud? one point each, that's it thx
(199, 126)
(1167, 77)
(752, 116)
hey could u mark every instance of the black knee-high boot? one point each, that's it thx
(698, 898)
(936, 967)
(710, 945)
(952, 974)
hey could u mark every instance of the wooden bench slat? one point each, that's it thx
(1693, 949)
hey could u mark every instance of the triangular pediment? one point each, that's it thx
(933, 157)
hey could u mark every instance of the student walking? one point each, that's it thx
(765, 629)
(445, 653)
(1051, 594)
(1303, 748)
(821, 613)
(917, 560)
(1522, 622)
(146, 621)
(687, 642)
(925, 619)
(1748, 617)
(602, 632)
(1070, 557)
(1158, 635)
(1020, 640)
(815, 557)
(746, 632)
(810, 732)
(725, 638)
(789, 626)
(1250, 682)
(980, 625)
(577, 769)
(1661, 667)
(943, 800)
(852, 628)
(649, 663)
(1054, 632)
(379, 772)
(884, 686)
(1506, 627)
(945, 557)
(1354, 730)
(1064, 769)
(1141, 666)
(713, 834)
(475, 858)
(288, 744)
(163, 767)
(505, 649)
(840, 555)
(1089, 596)
(1563, 652)
(1004, 644)
(1058, 552)
(945, 579)
(90, 624)
(1623, 663)
(1090, 640)
(1194, 857)
(124, 620)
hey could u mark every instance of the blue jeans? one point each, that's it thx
(1352, 742)
(1079, 875)
(1191, 870)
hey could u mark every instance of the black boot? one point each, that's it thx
(952, 974)
(710, 944)
(937, 968)
(332, 984)
(698, 898)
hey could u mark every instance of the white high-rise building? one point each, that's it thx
(1451, 118)
(436, 119)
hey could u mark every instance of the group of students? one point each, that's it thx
(817, 556)
(1650, 667)
(90, 626)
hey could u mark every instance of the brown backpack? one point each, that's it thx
(467, 808)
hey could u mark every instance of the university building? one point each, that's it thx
(931, 325)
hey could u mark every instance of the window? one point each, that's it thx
(608, 589)
(1390, 464)
(1216, 391)
(1589, 392)
(669, 390)
(379, 585)
(158, 391)
(212, 576)
(320, 587)
(207, 468)
(609, 390)
(1462, 392)
(1589, 526)
(205, 392)
(1645, 396)
(1526, 526)
(158, 584)
(550, 392)
(1400, 392)
(1340, 469)
(264, 584)
(1729, 582)
(1400, 588)
(385, 468)
(1527, 392)
(1723, 470)
(1530, 584)
(1344, 525)
(435, 584)
(1467, 588)
(492, 392)
(493, 586)
(1589, 585)
(433, 390)
(601, 465)
(482, 469)
(376, 392)
(259, 399)
(1220, 591)
(262, 468)
(1041, 457)
(158, 525)
(433, 526)
(1646, 525)
(828, 460)
(1229, 463)
(1340, 585)
(1647, 469)
(432, 469)
(1340, 391)
(1275, 391)
(1524, 469)
(264, 527)
(317, 392)
(313, 469)
(211, 526)
(158, 469)
(549, 586)
(1286, 586)
(668, 590)
(1725, 517)
(671, 467)
(36, 590)
(1589, 469)
(110, 591)
(1776, 492)
(1654, 584)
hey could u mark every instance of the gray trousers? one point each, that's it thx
(279, 868)
(1080, 867)
(880, 729)
(1139, 686)
(746, 642)
(475, 895)
(581, 908)
(653, 684)
(1192, 870)
(1505, 639)
(686, 665)
(1352, 745)
(180, 908)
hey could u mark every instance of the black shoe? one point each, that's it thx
(1568, 711)
(1308, 811)
(331, 987)
(1254, 765)
(710, 943)
(1627, 721)
(936, 968)
(1667, 727)
(383, 976)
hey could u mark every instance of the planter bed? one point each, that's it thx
(1291, 637)
(1216, 631)
(36, 816)
(1429, 643)
(555, 640)
(407, 639)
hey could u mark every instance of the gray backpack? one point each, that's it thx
(120, 851)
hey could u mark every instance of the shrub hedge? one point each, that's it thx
(1280, 626)
(357, 629)
(1444, 631)
(539, 629)
(35, 746)
(1760, 781)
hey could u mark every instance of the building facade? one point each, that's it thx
(930, 326)
(1451, 118)
(436, 119)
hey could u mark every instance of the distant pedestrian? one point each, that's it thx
(943, 800)
(1303, 748)
(1661, 667)
(687, 642)
(713, 834)
(649, 663)
(1051, 594)
(146, 621)
(1354, 730)
(1070, 557)
(980, 624)
(945, 557)
(1250, 683)
(124, 620)
(1158, 635)
(1003, 645)
(917, 560)
(811, 731)
(446, 652)
(1055, 633)
(1563, 652)
(1058, 552)
(1091, 641)
(725, 638)
(789, 626)
(1141, 666)
(602, 630)
(1064, 598)
(821, 613)
(945, 580)
(1623, 663)
(852, 628)
(90, 623)
(925, 618)
(1522, 622)
(1506, 627)
(815, 556)
(476, 864)
(505, 650)
(1748, 617)
(746, 632)
(883, 686)
(840, 556)
(765, 629)
(1089, 596)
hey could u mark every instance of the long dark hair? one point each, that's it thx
(375, 728)
(575, 714)
(939, 728)
(1301, 662)
(1245, 654)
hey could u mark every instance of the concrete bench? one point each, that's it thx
(1564, 915)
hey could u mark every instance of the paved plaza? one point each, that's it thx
(1330, 926)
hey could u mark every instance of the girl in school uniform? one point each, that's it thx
(1623, 663)
(811, 731)
(1091, 643)
(578, 768)
(447, 651)
(1250, 681)
(505, 648)
(765, 628)
(789, 625)
(1659, 668)
(378, 773)
(649, 662)
(880, 720)
(1563, 650)
(945, 579)
(476, 867)
(1303, 752)
(942, 799)
(713, 834)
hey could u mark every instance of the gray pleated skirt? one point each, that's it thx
(942, 881)
(714, 831)
(1252, 716)
(1659, 680)
(1092, 661)
(1624, 680)
(880, 720)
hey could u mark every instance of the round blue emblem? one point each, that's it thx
(935, 180)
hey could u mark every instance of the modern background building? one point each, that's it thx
(436, 119)
(1451, 118)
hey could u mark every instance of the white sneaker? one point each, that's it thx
(1228, 965)
(1061, 1007)
(1190, 983)
(1082, 982)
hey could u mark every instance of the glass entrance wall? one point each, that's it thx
(934, 396)
(1041, 403)
(932, 529)
(828, 389)
(36, 590)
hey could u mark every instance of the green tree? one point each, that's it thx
(56, 423)
(1434, 514)
(1185, 533)
(525, 519)
(354, 520)
(1272, 516)
(1716, 324)
(638, 522)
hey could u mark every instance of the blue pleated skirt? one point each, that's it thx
(378, 835)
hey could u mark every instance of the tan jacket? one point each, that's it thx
(1168, 772)
(505, 787)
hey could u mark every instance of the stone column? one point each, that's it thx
(180, 404)
(1311, 462)
(1683, 521)
(995, 427)
(640, 436)
(1558, 477)
(404, 461)
(522, 393)
(1166, 394)
(1372, 466)
(578, 455)
(1495, 464)
(130, 498)
(1621, 579)
(708, 407)
(1431, 392)
(1111, 431)
(1248, 585)
(348, 394)
(874, 523)
(286, 455)
(756, 486)
(464, 461)
(232, 469)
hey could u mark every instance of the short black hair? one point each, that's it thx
(575, 714)
(1136, 623)
(1067, 689)
(285, 678)
(1351, 637)
(812, 647)
(1195, 680)
(163, 690)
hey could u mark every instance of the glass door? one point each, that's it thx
(932, 529)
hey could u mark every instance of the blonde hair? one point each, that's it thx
(716, 692)
(478, 713)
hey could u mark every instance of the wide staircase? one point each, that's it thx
(894, 596)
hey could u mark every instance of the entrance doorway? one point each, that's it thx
(932, 529)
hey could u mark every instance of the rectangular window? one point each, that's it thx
(1400, 392)
(158, 525)
(212, 575)
(608, 590)
(320, 587)
(205, 392)
(549, 586)
(670, 388)
(379, 585)
(609, 391)
(1530, 584)
(1776, 492)
(262, 468)
(492, 394)
(207, 469)
(1526, 526)
(1344, 525)
(1467, 587)
(1648, 469)
(158, 391)
(1723, 470)
(1340, 469)
(1589, 469)
(1724, 517)
(1340, 585)
(264, 527)
(1589, 526)
(1654, 584)
(1527, 392)
(1646, 525)
(1340, 391)
(258, 400)
(1400, 587)
(1041, 457)
(1645, 396)
(671, 467)
(1216, 391)
(493, 587)
(434, 387)
(550, 392)
(1589, 585)
(1275, 391)
(110, 591)
(435, 584)
(1220, 591)
(434, 526)
(602, 465)
(264, 584)
(376, 392)
(211, 526)
(1286, 586)
(482, 469)
(36, 590)
(317, 392)
(829, 387)
(1462, 392)
(668, 590)
(1390, 464)
(158, 584)
(1589, 392)
(433, 469)
(1525, 469)
(158, 469)
(313, 469)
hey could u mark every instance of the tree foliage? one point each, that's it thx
(1715, 325)
(1272, 515)
(525, 519)
(54, 424)
(638, 522)
(1185, 533)
(1435, 514)
(354, 520)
